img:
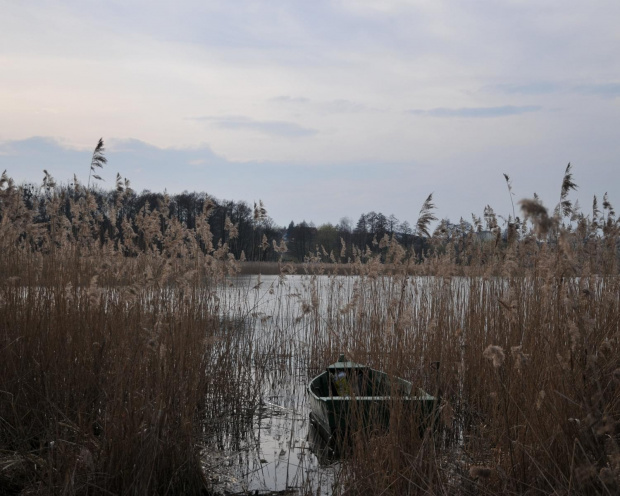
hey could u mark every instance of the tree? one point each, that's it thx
(327, 238)
(304, 240)
(392, 223)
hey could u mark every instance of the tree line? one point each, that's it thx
(248, 233)
(254, 231)
(256, 236)
(344, 241)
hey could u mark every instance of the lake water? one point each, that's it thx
(287, 316)
(280, 452)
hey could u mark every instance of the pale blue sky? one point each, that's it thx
(322, 109)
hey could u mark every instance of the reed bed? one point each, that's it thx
(115, 362)
(527, 376)
(129, 346)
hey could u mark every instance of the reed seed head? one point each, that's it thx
(537, 213)
(496, 354)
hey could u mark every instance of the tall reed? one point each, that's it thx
(125, 352)
(109, 356)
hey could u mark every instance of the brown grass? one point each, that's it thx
(123, 354)
(103, 356)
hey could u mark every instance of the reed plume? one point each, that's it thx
(97, 162)
(426, 216)
(565, 207)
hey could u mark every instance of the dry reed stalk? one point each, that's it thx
(111, 322)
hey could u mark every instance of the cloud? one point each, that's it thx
(133, 149)
(26, 159)
(274, 128)
(345, 106)
(604, 90)
(477, 112)
(289, 99)
(533, 88)
(337, 106)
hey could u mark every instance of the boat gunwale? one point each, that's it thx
(404, 397)
(374, 398)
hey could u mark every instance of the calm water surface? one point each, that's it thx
(274, 453)
(280, 451)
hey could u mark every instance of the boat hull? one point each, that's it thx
(378, 397)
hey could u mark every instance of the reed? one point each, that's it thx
(126, 353)
(103, 356)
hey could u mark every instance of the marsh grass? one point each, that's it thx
(526, 379)
(110, 363)
(125, 351)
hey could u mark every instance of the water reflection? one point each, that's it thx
(324, 450)
(277, 452)
(273, 447)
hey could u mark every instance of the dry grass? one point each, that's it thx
(103, 356)
(526, 380)
(119, 359)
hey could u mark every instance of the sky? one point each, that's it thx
(322, 109)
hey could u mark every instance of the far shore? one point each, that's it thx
(277, 268)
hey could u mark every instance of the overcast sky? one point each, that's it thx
(322, 109)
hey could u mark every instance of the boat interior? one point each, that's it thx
(355, 382)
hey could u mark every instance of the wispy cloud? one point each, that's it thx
(532, 88)
(603, 90)
(345, 106)
(289, 99)
(275, 128)
(337, 106)
(477, 112)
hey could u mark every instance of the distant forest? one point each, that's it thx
(245, 232)
(177, 225)
(256, 238)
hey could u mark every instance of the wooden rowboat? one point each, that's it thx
(349, 396)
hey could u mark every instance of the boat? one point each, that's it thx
(349, 396)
